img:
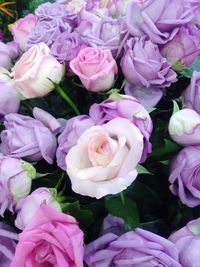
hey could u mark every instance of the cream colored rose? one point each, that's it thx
(32, 72)
(105, 158)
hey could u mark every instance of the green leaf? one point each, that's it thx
(142, 170)
(83, 216)
(175, 107)
(40, 175)
(127, 211)
(169, 147)
(189, 71)
(165, 162)
(29, 168)
(178, 66)
(150, 110)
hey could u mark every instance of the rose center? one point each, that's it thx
(101, 149)
(44, 254)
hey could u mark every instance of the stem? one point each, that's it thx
(66, 98)
(122, 198)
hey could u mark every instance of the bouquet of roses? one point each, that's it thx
(100, 134)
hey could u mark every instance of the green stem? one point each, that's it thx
(66, 98)
(122, 198)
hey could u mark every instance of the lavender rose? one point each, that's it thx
(184, 47)
(135, 248)
(192, 93)
(68, 138)
(47, 32)
(8, 240)
(8, 52)
(49, 11)
(184, 177)
(148, 97)
(9, 100)
(125, 107)
(30, 138)
(155, 18)
(67, 46)
(143, 65)
(187, 241)
(15, 182)
(109, 34)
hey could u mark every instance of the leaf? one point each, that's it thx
(165, 162)
(128, 211)
(83, 216)
(40, 175)
(150, 110)
(169, 147)
(175, 107)
(178, 66)
(142, 170)
(189, 71)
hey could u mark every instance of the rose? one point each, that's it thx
(9, 100)
(15, 181)
(104, 160)
(184, 176)
(86, 21)
(36, 139)
(27, 208)
(191, 94)
(134, 248)
(47, 32)
(143, 65)
(33, 70)
(8, 240)
(187, 241)
(184, 47)
(96, 68)
(184, 127)
(67, 46)
(71, 133)
(196, 5)
(109, 34)
(49, 11)
(21, 30)
(125, 107)
(148, 97)
(76, 5)
(155, 19)
(50, 239)
(8, 52)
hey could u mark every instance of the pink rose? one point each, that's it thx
(22, 28)
(105, 158)
(51, 239)
(32, 72)
(96, 68)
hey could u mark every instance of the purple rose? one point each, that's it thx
(125, 107)
(135, 248)
(109, 34)
(47, 32)
(8, 240)
(68, 138)
(148, 97)
(15, 181)
(192, 93)
(184, 47)
(184, 177)
(67, 46)
(9, 100)
(143, 65)
(187, 241)
(155, 18)
(29, 138)
(8, 52)
(50, 11)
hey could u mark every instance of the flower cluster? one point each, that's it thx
(78, 83)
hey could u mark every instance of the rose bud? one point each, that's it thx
(184, 127)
